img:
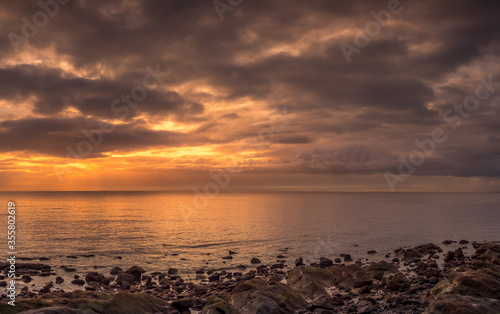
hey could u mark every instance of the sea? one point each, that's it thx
(162, 230)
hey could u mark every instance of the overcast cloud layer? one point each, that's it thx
(348, 120)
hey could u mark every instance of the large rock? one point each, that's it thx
(475, 290)
(132, 303)
(310, 281)
(417, 252)
(54, 310)
(350, 276)
(397, 282)
(454, 303)
(470, 282)
(261, 296)
(89, 302)
(377, 270)
(217, 304)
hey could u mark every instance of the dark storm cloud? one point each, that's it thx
(51, 136)
(396, 88)
(54, 92)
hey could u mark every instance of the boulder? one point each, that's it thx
(260, 296)
(471, 290)
(310, 281)
(216, 304)
(455, 303)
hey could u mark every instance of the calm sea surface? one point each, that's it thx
(159, 230)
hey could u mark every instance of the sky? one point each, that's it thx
(250, 95)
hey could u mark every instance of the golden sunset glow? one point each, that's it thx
(166, 102)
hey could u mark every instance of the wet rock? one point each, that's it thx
(54, 310)
(326, 303)
(381, 266)
(325, 262)
(347, 257)
(255, 260)
(124, 277)
(470, 282)
(299, 261)
(214, 277)
(94, 277)
(47, 287)
(397, 282)
(184, 304)
(200, 290)
(310, 281)
(455, 303)
(130, 303)
(264, 297)
(449, 256)
(350, 276)
(365, 307)
(26, 278)
(137, 272)
(78, 282)
(216, 304)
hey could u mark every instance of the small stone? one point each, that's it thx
(255, 260)
(116, 270)
(78, 282)
(371, 252)
(59, 280)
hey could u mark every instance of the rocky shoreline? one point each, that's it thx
(424, 279)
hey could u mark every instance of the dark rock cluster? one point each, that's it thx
(423, 279)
